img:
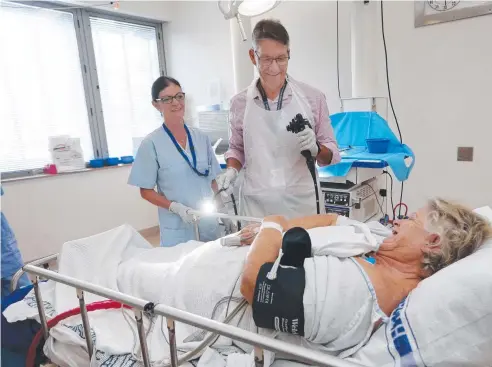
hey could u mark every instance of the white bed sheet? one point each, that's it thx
(194, 277)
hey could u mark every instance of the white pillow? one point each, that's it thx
(485, 211)
(445, 321)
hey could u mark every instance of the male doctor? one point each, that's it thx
(276, 177)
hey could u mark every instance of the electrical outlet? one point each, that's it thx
(465, 154)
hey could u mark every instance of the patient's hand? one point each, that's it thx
(248, 234)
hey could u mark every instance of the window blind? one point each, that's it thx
(127, 63)
(41, 86)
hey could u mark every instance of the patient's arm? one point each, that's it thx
(313, 221)
(248, 233)
(264, 249)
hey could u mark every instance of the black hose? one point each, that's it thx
(233, 200)
(297, 125)
(235, 211)
(312, 169)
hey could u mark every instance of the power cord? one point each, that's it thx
(387, 72)
(376, 196)
(357, 204)
(389, 92)
(391, 190)
(338, 58)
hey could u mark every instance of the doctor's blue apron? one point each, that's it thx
(159, 163)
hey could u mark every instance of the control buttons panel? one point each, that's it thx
(337, 198)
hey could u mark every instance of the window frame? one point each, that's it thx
(81, 18)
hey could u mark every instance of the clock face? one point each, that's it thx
(440, 5)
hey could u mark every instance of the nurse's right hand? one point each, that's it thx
(225, 181)
(181, 210)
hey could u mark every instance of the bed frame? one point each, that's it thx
(39, 269)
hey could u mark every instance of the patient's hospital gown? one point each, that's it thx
(159, 163)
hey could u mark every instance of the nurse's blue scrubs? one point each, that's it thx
(11, 257)
(160, 162)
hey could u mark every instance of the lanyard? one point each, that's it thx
(183, 154)
(265, 99)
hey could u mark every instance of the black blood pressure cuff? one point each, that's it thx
(278, 303)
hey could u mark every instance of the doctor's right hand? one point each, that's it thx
(181, 210)
(225, 181)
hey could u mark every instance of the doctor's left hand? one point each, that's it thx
(181, 210)
(307, 141)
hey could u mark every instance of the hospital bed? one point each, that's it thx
(426, 329)
(39, 269)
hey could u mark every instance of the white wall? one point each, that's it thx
(46, 212)
(198, 52)
(441, 84)
(312, 30)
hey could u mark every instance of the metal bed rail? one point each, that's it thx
(44, 261)
(172, 315)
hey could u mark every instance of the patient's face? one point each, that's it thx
(409, 236)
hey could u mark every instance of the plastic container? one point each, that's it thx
(50, 169)
(113, 161)
(377, 145)
(96, 163)
(127, 159)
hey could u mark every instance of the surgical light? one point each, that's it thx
(247, 8)
(252, 8)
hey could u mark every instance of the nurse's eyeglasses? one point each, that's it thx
(169, 99)
(267, 61)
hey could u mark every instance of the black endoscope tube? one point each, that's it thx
(233, 205)
(312, 168)
(235, 211)
(297, 125)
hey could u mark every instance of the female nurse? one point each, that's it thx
(175, 168)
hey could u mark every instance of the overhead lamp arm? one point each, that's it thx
(241, 27)
(233, 12)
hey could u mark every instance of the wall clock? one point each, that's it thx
(430, 12)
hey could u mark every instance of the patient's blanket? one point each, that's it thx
(195, 277)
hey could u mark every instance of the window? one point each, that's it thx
(127, 63)
(77, 72)
(41, 86)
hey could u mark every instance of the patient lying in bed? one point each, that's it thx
(343, 298)
(336, 302)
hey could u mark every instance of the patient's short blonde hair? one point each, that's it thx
(461, 232)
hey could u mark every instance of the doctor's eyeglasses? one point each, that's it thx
(169, 99)
(267, 61)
